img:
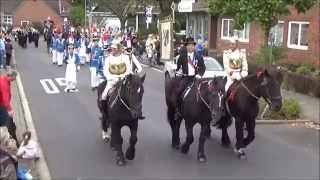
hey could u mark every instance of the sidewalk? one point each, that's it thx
(310, 106)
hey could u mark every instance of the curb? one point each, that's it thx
(41, 166)
(281, 121)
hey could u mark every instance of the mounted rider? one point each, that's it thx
(192, 64)
(117, 66)
(235, 62)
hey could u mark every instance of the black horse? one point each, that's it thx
(242, 104)
(202, 102)
(123, 108)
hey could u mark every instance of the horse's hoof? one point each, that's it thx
(121, 162)
(175, 146)
(225, 145)
(185, 149)
(202, 159)
(241, 154)
(112, 148)
(130, 154)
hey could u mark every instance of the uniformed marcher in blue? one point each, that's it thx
(54, 49)
(60, 49)
(95, 62)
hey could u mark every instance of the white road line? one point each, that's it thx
(53, 90)
(61, 81)
(146, 66)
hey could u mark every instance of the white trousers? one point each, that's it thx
(94, 77)
(54, 56)
(83, 59)
(60, 58)
(88, 58)
(110, 84)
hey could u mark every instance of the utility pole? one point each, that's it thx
(85, 13)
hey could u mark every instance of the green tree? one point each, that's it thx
(77, 15)
(121, 8)
(265, 12)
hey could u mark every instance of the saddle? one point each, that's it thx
(232, 92)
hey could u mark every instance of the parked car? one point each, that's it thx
(213, 68)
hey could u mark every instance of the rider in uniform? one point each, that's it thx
(117, 65)
(235, 63)
(192, 64)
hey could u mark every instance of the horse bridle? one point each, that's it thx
(263, 84)
(220, 94)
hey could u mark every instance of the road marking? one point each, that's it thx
(61, 81)
(53, 90)
(146, 66)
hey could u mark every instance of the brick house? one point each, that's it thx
(33, 11)
(299, 33)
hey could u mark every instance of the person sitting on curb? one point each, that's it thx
(29, 148)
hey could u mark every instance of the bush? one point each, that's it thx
(290, 110)
(278, 53)
(305, 69)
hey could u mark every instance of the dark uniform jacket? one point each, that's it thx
(200, 67)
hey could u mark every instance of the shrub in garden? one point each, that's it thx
(305, 69)
(290, 110)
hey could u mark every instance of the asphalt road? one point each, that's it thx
(69, 131)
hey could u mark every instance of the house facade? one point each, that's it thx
(298, 33)
(21, 12)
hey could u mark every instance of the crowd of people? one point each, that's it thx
(12, 152)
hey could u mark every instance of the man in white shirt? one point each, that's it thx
(117, 66)
(235, 63)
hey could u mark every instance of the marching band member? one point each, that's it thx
(72, 60)
(95, 62)
(60, 46)
(235, 63)
(82, 49)
(54, 48)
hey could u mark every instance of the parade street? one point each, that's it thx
(69, 131)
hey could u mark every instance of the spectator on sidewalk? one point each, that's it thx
(29, 148)
(9, 48)
(2, 50)
(6, 112)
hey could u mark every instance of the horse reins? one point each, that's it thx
(121, 100)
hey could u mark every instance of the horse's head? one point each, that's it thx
(133, 93)
(216, 97)
(270, 88)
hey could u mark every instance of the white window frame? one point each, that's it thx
(24, 21)
(242, 39)
(222, 25)
(229, 37)
(294, 46)
(6, 19)
(282, 38)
